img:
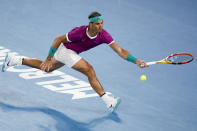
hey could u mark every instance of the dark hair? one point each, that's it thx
(93, 14)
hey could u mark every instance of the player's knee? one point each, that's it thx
(90, 71)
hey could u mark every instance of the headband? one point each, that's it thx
(96, 18)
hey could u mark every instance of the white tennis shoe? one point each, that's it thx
(11, 60)
(111, 102)
(114, 105)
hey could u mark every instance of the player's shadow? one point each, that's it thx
(63, 122)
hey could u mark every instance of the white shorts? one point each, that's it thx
(66, 56)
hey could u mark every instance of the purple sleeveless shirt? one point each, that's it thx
(80, 41)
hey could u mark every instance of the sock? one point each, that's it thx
(103, 94)
(19, 60)
(104, 97)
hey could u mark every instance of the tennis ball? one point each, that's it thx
(143, 78)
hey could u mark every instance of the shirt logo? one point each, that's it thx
(83, 40)
(96, 42)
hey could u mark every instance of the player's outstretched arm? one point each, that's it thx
(127, 55)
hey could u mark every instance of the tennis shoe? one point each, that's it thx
(114, 104)
(111, 102)
(11, 60)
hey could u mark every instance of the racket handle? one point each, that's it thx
(151, 63)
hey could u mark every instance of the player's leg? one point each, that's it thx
(73, 60)
(35, 63)
(85, 68)
(12, 60)
(31, 62)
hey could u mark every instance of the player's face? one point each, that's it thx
(97, 26)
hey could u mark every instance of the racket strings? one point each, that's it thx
(179, 58)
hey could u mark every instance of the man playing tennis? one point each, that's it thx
(65, 50)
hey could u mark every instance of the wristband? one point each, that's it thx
(131, 58)
(52, 51)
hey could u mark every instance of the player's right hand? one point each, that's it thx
(141, 63)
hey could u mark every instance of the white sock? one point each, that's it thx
(19, 60)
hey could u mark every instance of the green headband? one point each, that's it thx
(96, 18)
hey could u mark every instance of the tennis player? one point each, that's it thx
(66, 48)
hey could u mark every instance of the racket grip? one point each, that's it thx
(148, 63)
(151, 63)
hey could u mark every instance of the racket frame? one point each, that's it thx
(168, 62)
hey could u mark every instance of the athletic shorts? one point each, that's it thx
(66, 56)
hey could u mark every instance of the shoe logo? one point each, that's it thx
(8, 63)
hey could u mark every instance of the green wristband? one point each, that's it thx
(131, 58)
(52, 51)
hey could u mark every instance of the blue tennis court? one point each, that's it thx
(31, 100)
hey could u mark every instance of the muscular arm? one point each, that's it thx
(47, 64)
(124, 54)
(58, 40)
(120, 51)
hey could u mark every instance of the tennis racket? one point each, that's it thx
(176, 59)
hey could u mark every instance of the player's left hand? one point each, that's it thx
(141, 63)
(46, 65)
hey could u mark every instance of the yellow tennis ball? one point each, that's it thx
(143, 78)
